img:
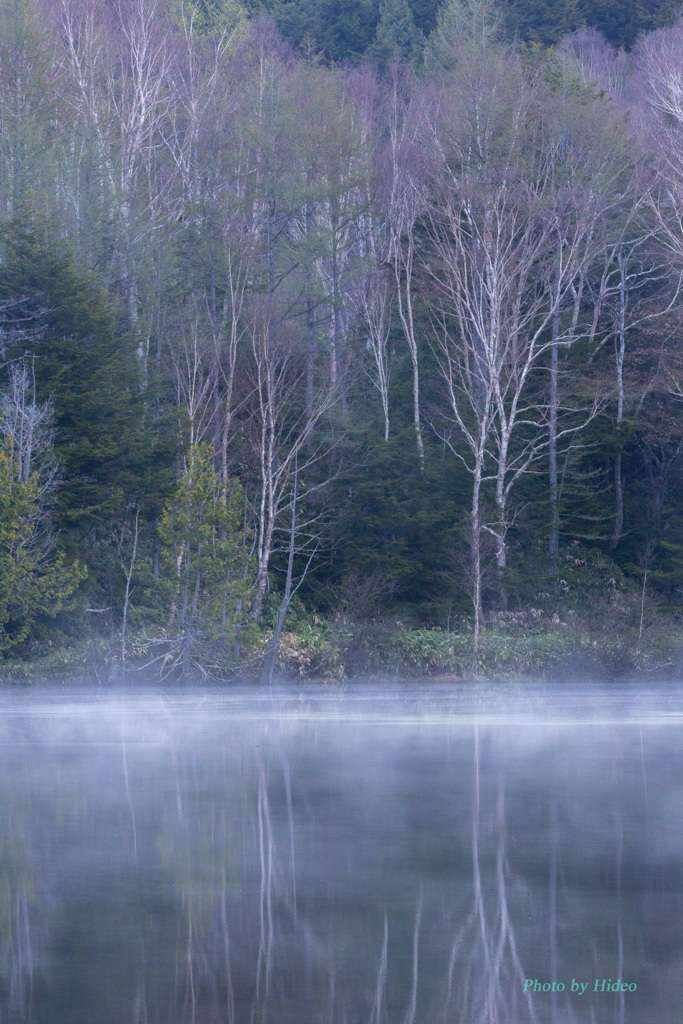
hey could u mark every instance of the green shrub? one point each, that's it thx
(431, 649)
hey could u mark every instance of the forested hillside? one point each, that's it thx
(348, 31)
(340, 336)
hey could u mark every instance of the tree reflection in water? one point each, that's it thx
(202, 862)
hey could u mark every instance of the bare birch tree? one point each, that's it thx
(203, 98)
(27, 426)
(27, 105)
(407, 203)
(498, 283)
(375, 306)
(115, 62)
(288, 443)
(658, 61)
(599, 185)
(192, 357)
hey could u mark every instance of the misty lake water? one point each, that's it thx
(405, 855)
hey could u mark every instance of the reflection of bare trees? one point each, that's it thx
(283, 897)
(251, 953)
(282, 959)
(265, 952)
(255, 945)
(16, 952)
(484, 952)
(378, 1015)
(412, 1005)
(25, 914)
(225, 970)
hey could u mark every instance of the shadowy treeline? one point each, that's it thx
(339, 365)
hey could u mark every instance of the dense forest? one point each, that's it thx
(340, 336)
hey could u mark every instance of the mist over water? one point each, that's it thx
(409, 855)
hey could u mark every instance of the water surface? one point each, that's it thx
(396, 856)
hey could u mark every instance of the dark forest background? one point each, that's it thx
(339, 335)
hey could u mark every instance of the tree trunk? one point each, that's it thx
(621, 352)
(554, 538)
(310, 325)
(475, 549)
(618, 500)
(403, 268)
(262, 573)
(502, 526)
(336, 326)
(126, 598)
(274, 646)
(155, 554)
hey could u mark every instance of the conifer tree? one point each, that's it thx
(211, 18)
(464, 32)
(206, 566)
(424, 14)
(396, 34)
(544, 21)
(85, 364)
(337, 30)
(32, 580)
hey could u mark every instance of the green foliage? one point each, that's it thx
(347, 31)
(513, 645)
(463, 32)
(211, 18)
(396, 34)
(546, 21)
(585, 574)
(431, 649)
(31, 582)
(27, 105)
(84, 363)
(397, 523)
(543, 21)
(338, 31)
(314, 650)
(205, 578)
(424, 14)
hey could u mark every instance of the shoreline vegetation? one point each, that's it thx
(606, 646)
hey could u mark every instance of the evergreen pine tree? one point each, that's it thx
(337, 30)
(32, 580)
(424, 14)
(212, 17)
(396, 34)
(544, 21)
(206, 575)
(463, 31)
(85, 364)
